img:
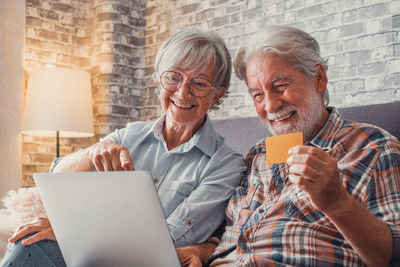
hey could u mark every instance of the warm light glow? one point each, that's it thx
(58, 99)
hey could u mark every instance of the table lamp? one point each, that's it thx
(58, 103)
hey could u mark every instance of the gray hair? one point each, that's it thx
(294, 45)
(192, 48)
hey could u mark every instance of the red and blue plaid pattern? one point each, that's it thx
(271, 222)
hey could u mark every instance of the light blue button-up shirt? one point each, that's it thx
(194, 181)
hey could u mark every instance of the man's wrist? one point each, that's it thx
(344, 208)
(204, 250)
(213, 240)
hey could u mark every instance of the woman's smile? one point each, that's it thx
(181, 105)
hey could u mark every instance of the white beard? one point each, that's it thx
(309, 116)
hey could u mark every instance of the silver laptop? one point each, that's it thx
(107, 218)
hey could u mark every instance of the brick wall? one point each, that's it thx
(117, 40)
(57, 33)
(117, 64)
(359, 37)
(104, 37)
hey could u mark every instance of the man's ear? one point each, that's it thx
(321, 79)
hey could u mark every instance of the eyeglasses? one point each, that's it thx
(172, 81)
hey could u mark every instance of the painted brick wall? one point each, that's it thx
(117, 40)
(104, 37)
(117, 63)
(57, 33)
(359, 37)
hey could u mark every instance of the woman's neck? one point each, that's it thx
(176, 134)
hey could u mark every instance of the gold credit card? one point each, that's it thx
(277, 147)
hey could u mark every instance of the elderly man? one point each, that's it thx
(336, 200)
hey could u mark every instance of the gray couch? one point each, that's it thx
(243, 133)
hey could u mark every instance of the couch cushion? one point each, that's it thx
(386, 116)
(243, 133)
(5, 231)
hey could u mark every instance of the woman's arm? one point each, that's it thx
(203, 210)
(102, 156)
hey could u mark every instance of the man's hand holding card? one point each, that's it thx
(310, 168)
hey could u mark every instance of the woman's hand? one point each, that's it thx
(41, 229)
(109, 156)
(102, 156)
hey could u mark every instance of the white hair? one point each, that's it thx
(294, 45)
(192, 48)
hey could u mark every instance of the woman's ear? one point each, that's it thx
(321, 79)
(157, 89)
(219, 94)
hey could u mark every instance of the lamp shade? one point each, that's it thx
(58, 99)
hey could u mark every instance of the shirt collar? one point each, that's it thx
(157, 128)
(326, 136)
(204, 138)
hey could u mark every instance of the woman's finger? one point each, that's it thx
(126, 160)
(106, 157)
(109, 156)
(48, 234)
(116, 163)
(97, 162)
(30, 229)
(37, 225)
(32, 239)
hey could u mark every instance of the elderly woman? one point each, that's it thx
(194, 170)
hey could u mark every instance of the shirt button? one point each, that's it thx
(189, 223)
(155, 180)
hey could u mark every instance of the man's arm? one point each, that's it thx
(370, 237)
(316, 172)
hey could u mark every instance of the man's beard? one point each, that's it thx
(309, 116)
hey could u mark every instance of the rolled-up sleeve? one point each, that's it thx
(385, 193)
(54, 163)
(112, 137)
(203, 211)
(396, 243)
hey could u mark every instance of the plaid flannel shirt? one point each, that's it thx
(270, 222)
